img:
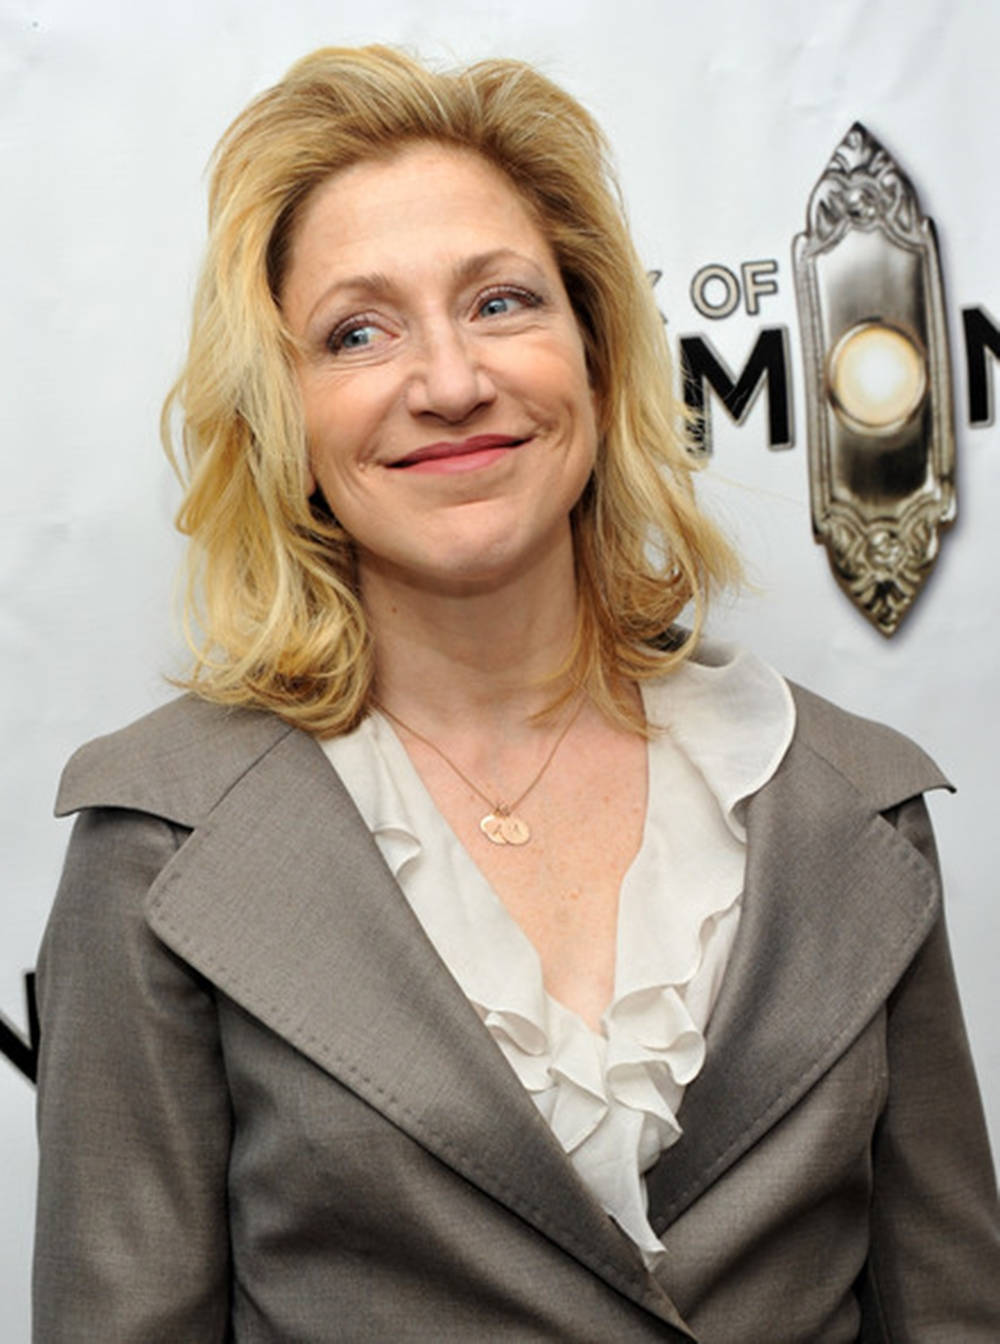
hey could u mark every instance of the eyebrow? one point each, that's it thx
(376, 283)
(379, 285)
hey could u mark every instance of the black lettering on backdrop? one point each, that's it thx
(758, 279)
(767, 363)
(23, 1054)
(981, 334)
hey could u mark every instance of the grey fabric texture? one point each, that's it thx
(267, 1112)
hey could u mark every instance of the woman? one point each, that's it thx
(397, 1049)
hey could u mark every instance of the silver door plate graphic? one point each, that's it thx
(877, 377)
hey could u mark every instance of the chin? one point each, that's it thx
(472, 575)
(477, 553)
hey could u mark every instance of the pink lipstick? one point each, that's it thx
(481, 450)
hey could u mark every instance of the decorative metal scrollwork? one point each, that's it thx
(878, 379)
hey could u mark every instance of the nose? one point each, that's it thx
(448, 378)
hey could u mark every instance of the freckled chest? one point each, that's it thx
(586, 816)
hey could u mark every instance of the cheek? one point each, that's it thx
(347, 422)
(327, 420)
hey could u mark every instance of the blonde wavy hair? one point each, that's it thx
(272, 610)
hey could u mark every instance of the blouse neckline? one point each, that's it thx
(611, 1098)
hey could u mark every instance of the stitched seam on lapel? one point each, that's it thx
(798, 1088)
(283, 1023)
(622, 1270)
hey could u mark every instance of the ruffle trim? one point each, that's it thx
(611, 1099)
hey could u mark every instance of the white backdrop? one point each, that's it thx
(722, 115)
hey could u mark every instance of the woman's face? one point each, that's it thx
(450, 420)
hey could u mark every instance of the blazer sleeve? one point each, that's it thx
(933, 1273)
(133, 1112)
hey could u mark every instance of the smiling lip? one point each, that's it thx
(479, 451)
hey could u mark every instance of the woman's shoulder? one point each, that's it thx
(175, 762)
(879, 761)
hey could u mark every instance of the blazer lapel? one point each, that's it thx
(836, 903)
(282, 899)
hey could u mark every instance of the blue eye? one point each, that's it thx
(502, 302)
(359, 336)
(356, 334)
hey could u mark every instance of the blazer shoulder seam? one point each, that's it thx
(875, 760)
(177, 763)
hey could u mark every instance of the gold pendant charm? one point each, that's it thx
(515, 831)
(503, 829)
(490, 827)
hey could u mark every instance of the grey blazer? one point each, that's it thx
(268, 1114)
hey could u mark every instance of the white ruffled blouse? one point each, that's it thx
(610, 1097)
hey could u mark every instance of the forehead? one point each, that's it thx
(427, 200)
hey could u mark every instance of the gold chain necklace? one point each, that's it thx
(500, 825)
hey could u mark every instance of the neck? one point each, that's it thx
(484, 657)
